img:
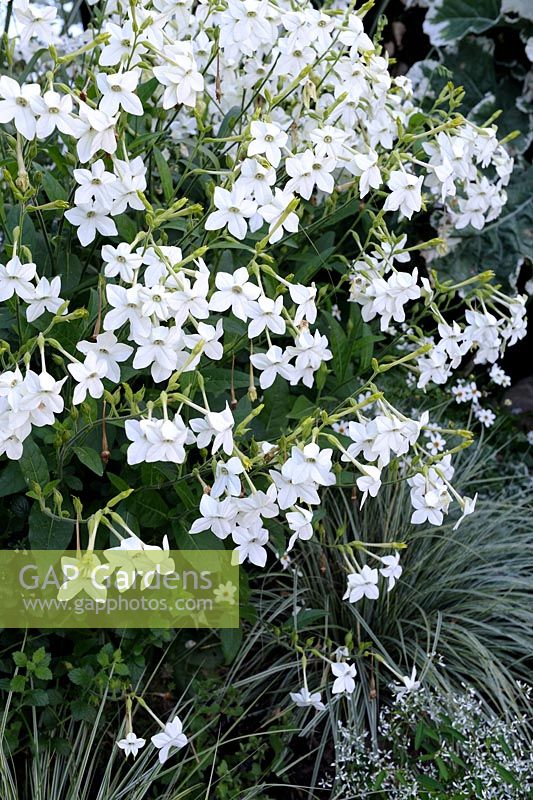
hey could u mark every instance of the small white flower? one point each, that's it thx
(304, 698)
(171, 736)
(344, 674)
(131, 744)
(362, 584)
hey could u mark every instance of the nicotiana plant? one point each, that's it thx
(160, 170)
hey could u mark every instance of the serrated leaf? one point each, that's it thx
(18, 683)
(40, 656)
(20, 658)
(81, 676)
(82, 711)
(36, 697)
(43, 673)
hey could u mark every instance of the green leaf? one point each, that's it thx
(149, 508)
(303, 407)
(82, 711)
(33, 464)
(41, 656)
(451, 20)
(90, 458)
(46, 533)
(226, 126)
(506, 775)
(43, 673)
(18, 683)
(430, 783)
(11, 479)
(146, 90)
(81, 676)
(36, 697)
(164, 174)
(230, 639)
(20, 658)
(53, 189)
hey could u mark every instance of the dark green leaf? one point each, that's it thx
(90, 458)
(11, 479)
(46, 533)
(33, 464)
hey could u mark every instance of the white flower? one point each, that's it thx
(392, 569)
(54, 111)
(303, 699)
(266, 313)
(250, 544)
(42, 398)
(299, 522)
(180, 75)
(16, 278)
(365, 166)
(271, 364)
(208, 336)
(406, 193)
(235, 291)
(171, 736)
(119, 91)
(131, 744)
(304, 297)
(222, 422)
(256, 179)
(90, 218)
(45, 298)
(88, 377)
(36, 21)
(126, 307)
(498, 376)
(161, 350)
(109, 351)
(289, 491)
(310, 464)
(217, 516)
(16, 105)
(369, 482)
(410, 684)
(307, 170)
(167, 439)
(98, 133)
(226, 477)
(95, 184)
(344, 675)
(233, 209)
(468, 506)
(121, 261)
(267, 138)
(485, 416)
(362, 584)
